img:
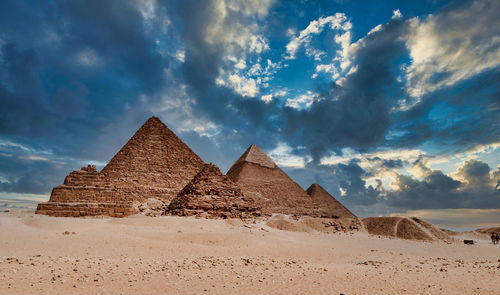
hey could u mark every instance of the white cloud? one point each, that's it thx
(237, 36)
(180, 55)
(341, 63)
(88, 58)
(241, 65)
(35, 158)
(336, 22)
(176, 108)
(302, 101)
(234, 28)
(147, 8)
(267, 98)
(284, 157)
(396, 14)
(256, 69)
(243, 86)
(453, 46)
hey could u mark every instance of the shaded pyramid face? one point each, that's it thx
(260, 178)
(214, 194)
(327, 204)
(154, 162)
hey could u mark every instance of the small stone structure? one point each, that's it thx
(154, 163)
(327, 205)
(213, 194)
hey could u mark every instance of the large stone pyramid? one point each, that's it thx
(214, 194)
(260, 178)
(154, 163)
(327, 204)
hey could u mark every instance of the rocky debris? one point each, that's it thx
(212, 194)
(469, 242)
(154, 163)
(261, 179)
(435, 231)
(327, 205)
(488, 231)
(313, 224)
(151, 207)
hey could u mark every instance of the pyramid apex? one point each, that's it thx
(153, 119)
(313, 187)
(256, 155)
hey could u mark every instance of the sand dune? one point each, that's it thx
(186, 255)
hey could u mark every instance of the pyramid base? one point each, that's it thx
(60, 209)
(213, 214)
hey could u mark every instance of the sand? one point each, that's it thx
(186, 255)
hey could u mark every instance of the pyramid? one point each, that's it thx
(327, 204)
(261, 179)
(154, 163)
(214, 194)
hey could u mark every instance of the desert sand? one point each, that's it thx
(187, 255)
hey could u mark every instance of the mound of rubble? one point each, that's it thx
(212, 194)
(405, 228)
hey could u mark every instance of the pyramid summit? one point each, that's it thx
(327, 204)
(212, 193)
(256, 156)
(261, 179)
(154, 163)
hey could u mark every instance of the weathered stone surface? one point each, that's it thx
(328, 206)
(154, 164)
(214, 195)
(261, 179)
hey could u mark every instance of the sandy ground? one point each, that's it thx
(176, 255)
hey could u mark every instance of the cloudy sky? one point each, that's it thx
(392, 106)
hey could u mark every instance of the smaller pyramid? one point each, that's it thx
(212, 193)
(261, 179)
(327, 204)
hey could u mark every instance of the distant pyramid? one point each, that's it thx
(260, 178)
(327, 204)
(154, 163)
(212, 193)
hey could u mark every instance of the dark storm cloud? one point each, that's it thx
(475, 188)
(358, 113)
(387, 163)
(68, 69)
(29, 179)
(71, 67)
(363, 113)
(456, 118)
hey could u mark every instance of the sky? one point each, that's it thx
(392, 106)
